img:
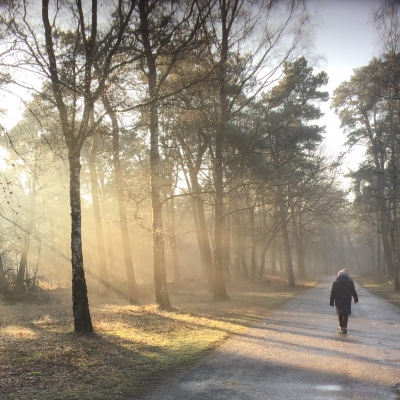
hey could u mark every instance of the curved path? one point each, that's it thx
(297, 353)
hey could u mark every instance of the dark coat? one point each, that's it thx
(342, 290)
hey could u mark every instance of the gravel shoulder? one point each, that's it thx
(297, 353)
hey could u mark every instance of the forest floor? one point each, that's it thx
(133, 347)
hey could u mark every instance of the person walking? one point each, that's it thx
(342, 291)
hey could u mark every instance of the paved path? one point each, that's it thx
(297, 353)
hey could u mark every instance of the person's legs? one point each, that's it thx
(343, 318)
(340, 321)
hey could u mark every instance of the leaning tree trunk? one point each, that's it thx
(80, 302)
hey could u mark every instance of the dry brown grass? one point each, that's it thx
(133, 347)
(381, 287)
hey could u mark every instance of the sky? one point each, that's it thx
(346, 38)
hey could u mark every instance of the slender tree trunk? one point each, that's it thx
(353, 250)
(385, 230)
(219, 288)
(35, 274)
(103, 276)
(237, 244)
(80, 303)
(253, 245)
(301, 267)
(273, 257)
(19, 282)
(264, 252)
(23, 263)
(342, 250)
(205, 238)
(3, 280)
(394, 250)
(160, 275)
(378, 255)
(173, 243)
(241, 250)
(286, 244)
(197, 227)
(262, 263)
(226, 249)
(394, 222)
(324, 257)
(133, 294)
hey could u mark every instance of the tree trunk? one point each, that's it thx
(385, 230)
(300, 252)
(237, 244)
(103, 276)
(219, 288)
(205, 239)
(241, 250)
(133, 294)
(279, 250)
(324, 257)
(262, 264)
(342, 250)
(273, 257)
(394, 222)
(263, 254)
(3, 280)
(197, 229)
(174, 247)
(353, 250)
(286, 244)
(253, 245)
(226, 249)
(378, 255)
(19, 282)
(80, 303)
(160, 275)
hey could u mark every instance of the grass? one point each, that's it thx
(133, 349)
(381, 288)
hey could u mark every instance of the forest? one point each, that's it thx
(152, 142)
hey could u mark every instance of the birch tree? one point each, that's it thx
(75, 51)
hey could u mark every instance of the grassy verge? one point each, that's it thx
(133, 348)
(383, 289)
